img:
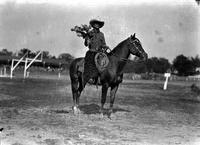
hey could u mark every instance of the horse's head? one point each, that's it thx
(135, 47)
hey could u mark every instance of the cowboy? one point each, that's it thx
(95, 41)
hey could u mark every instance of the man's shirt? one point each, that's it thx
(96, 40)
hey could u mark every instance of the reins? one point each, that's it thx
(121, 59)
(125, 59)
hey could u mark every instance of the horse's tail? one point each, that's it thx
(75, 75)
(73, 70)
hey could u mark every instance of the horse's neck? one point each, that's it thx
(121, 51)
(119, 55)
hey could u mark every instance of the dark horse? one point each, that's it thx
(112, 76)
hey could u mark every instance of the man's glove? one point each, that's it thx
(106, 48)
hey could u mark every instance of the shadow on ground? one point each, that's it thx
(60, 111)
(190, 101)
(94, 109)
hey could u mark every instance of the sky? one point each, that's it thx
(165, 29)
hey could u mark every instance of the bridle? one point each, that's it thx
(133, 42)
(125, 59)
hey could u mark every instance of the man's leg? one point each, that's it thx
(90, 70)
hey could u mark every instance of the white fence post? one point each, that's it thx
(167, 75)
(25, 68)
(1, 72)
(5, 73)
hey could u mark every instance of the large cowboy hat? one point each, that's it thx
(96, 23)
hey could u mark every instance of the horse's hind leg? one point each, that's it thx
(113, 91)
(76, 91)
(74, 86)
(80, 89)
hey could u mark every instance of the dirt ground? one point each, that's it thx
(38, 112)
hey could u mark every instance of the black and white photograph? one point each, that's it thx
(107, 72)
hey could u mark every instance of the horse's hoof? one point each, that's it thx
(101, 115)
(110, 114)
(76, 110)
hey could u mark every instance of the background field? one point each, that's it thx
(37, 111)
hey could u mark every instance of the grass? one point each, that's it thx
(143, 113)
(34, 92)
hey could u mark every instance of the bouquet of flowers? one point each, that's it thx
(82, 31)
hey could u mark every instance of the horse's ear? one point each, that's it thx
(133, 36)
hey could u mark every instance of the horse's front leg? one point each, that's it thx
(103, 97)
(113, 91)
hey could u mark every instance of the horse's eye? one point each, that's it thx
(137, 42)
(134, 41)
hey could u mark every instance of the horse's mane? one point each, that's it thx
(117, 47)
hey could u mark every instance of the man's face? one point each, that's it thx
(96, 26)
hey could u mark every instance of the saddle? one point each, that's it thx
(101, 61)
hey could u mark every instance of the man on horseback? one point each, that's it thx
(112, 75)
(95, 41)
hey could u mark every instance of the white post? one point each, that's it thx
(0, 138)
(59, 75)
(28, 74)
(25, 68)
(1, 130)
(5, 71)
(167, 75)
(11, 69)
(27, 65)
(14, 66)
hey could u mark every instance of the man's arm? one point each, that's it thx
(103, 44)
(87, 38)
(87, 41)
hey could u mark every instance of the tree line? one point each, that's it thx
(63, 60)
(31, 54)
(181, 65)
